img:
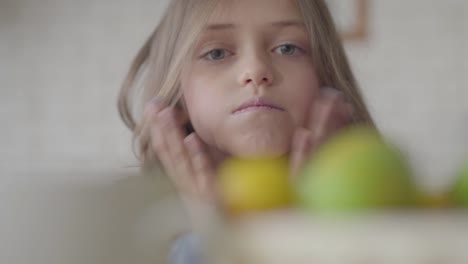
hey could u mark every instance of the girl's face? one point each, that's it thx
(251, 80)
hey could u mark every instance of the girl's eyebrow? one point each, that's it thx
(281, 24)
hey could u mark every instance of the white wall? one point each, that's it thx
(413, 72)
(61, 64)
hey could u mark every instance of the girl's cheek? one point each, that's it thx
(202, 111)
(303, 106)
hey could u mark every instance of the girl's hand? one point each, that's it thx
(184, 159)
(329, 113)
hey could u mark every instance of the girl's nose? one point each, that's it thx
(256, 71)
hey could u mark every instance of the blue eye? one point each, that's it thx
(216, 54)
(287, 49)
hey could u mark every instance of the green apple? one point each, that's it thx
(356, 170)
(459, 193)
(250, 185)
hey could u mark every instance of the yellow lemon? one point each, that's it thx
(249, 185)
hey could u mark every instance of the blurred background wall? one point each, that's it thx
(413, 70)
(62, 62)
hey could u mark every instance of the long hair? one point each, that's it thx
(329, 57)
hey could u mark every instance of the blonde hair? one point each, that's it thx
(156, 70)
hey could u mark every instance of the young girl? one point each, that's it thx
(248, 78)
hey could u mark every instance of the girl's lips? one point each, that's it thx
(257, 104)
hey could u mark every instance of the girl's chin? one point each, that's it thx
(261, 139)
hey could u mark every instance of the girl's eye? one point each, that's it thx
(287, 49)
(216, 54)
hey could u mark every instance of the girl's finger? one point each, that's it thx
(150, 114)
(331, 112)
(173, 135)
(202, 165)
(159, 145)
(153, 107)
(156, 105)
(300, 150)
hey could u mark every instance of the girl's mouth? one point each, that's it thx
(256, 104)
